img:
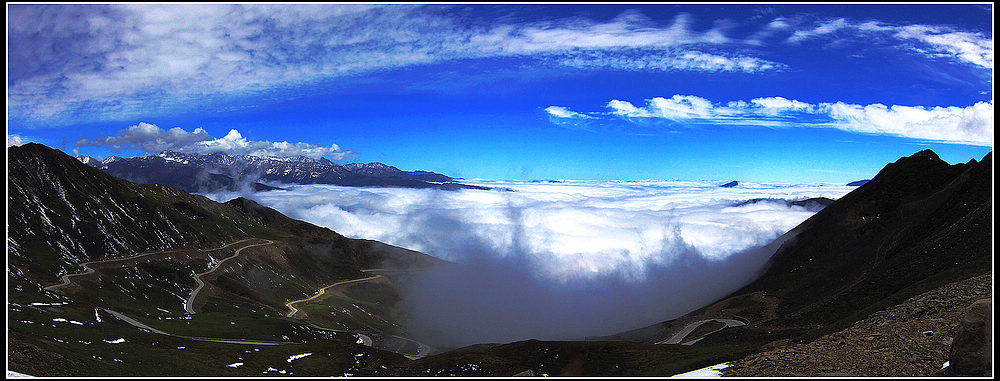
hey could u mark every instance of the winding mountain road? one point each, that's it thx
(142, 326)
(682, 334)
(292, 310)
(189, 303)
(364, 339)
(66, 278)
(422, 349)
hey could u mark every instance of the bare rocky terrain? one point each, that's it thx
(910, 339)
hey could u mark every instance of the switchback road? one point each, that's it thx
(682, 334)
(66, 278)
(189, 303)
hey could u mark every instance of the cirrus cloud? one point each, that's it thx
(930, 40)
(72, 61)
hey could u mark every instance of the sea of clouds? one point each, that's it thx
(561, 260)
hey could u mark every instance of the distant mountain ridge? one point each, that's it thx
(813, 204)
(222, 172)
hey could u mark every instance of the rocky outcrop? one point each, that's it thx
(910, 339)
(971, 348)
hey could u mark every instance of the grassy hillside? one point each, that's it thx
(144, 244)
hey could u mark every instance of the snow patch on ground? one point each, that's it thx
(118, 341)
(67, 321)
(298, 356)
(235, 365)
(712, 371)
(13, 374)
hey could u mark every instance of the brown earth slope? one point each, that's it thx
(912, 338)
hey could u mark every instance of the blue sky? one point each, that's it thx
(791, 93)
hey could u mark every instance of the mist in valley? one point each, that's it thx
(560, 261)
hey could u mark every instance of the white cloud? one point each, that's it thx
(627, 109)
(963, 125)
(153, 139)
(571, 255)
(562, 112)
(932, 40)
(574, 227)
(825, 27)
(14, 140)
(970, 47)
(775, 105)
(118, 61)
(682, 60)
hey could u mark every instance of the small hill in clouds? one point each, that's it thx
(918, 226)
(219, 172)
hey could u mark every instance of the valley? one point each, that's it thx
(237, 289)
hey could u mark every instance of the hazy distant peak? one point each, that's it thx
(373, 165)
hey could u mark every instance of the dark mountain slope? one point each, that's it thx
(918, 224)
(63, 212)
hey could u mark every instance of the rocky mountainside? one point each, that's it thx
(221, 172)
(84, 243)
(63, 212)
(918, 224)
(912, 338)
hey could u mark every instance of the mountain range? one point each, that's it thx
(108, 277)
(218, 171)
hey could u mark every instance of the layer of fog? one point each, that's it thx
(560, 260)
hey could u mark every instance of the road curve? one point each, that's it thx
(680, 335)
(291, 308)
(188, 304)
(142, 326)
(66, 281)
(423, 349)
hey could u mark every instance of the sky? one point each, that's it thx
(797, 93)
